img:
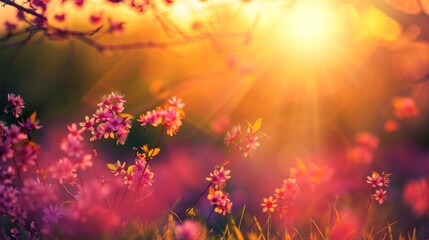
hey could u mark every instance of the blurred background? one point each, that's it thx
(317, 73)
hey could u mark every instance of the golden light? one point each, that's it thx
(311, 25)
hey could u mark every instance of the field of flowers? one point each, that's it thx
(244, 119)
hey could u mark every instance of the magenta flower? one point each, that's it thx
(219, 177)
(380, 195)
(17, 104)
(188, 230)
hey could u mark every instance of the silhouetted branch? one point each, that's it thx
(150, 44)
(24, 9)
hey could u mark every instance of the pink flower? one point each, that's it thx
(269, 204)
(404, 108)
(176, 102)
(375, 180)
(380, 195)
(17, 104)
(170, 116)
(232, 135)
(251, 143)
(367, 140)
(188, 230)
(117, 168)
(359, 155)
(74, 132)
(219, 177)
(416, 196)
(290, 188)
(220, 200)
(52, 214)
(88, 124)
(64, 171)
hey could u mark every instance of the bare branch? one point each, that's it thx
(161, 45)
(24, 9)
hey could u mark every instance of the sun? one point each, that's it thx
(311, 24)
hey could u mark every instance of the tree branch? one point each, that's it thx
(24, 9)
(161, 45)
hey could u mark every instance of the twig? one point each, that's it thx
(24, 9)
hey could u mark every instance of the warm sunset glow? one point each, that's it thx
(311, 24)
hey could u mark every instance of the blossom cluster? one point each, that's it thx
(247, 141)
(15, 143)
(169, 116)
(75, 157)
(138, 175)
(301, 176)
(362, 152)
(109, 121)
(217, 195)
(379, 181)
(285, 196)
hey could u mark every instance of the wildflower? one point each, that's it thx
(64, 171)
(416, 196)
(17, 104)
(188, 230)
(169, 116)
(380, 195)
(74, 132)
(404, 107)
(367, 140)
(8, 175)
(219, 177)
(109, 121)
(290, 188)
(269, 204)
(359, 154)
(117, 168)
(14, 134)
(232, 135)
(375, 180)
(220, 200)
(176, 102)
(30, 124)
(88, 124)
(52, 214)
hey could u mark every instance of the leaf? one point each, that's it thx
(211, 191)
(257, 125)
(130, 168)
(111, 166)
(153, 152)
(33, 117)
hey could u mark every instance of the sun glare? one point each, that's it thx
(311, 25)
